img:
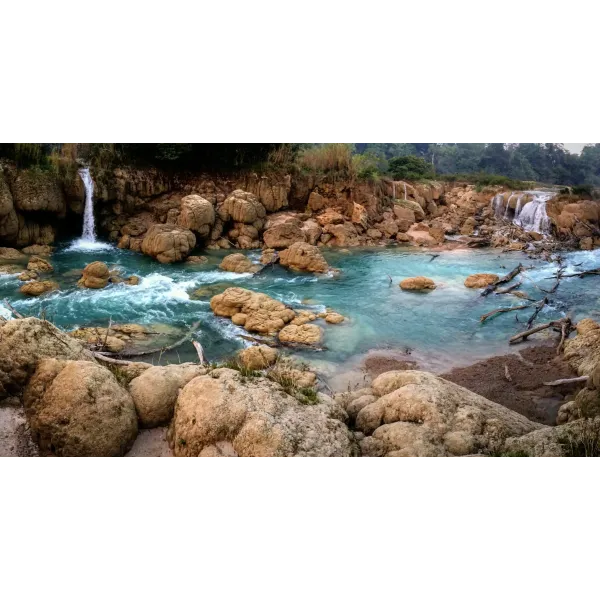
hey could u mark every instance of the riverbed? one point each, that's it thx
(439, 329)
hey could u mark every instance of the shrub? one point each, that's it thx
(328, 159)
(411, 168)
(582, 439)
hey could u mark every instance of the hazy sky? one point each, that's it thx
(575, 147)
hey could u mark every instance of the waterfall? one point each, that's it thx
(404, 190)
(87, 242)
(394, 190)
(89, 229)
(528, 215)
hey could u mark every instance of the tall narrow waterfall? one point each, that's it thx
(89, 228)
(527, 210)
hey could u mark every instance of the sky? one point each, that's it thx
(576, 148)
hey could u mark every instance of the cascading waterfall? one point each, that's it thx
(529, 212)
(89, 228)
(87, 241)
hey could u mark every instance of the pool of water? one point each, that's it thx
(441, 328)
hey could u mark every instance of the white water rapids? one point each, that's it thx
(528, 211)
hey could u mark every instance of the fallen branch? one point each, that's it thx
(483, 318)
(581, 274)
(271, 263)
(199, 350)
(509, 289)
(112, 361)
(519, 337)
(508, 277)
(581, 379)
(538, 308)
(16, 314)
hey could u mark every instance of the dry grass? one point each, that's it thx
(328, 159)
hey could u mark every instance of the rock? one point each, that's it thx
(312, 231)
(15, 436)
(218, 415)
(583, 351)
(155, 391)
(263, 313)
(267, 256)
(303, 316)
(168, 243)
(77, 408)
(334, 318)
(151, 443)
(284, 234)
(23, 343)
(405, 217)
(242, 207)
(39, 265)
(414, 207)
(481, 280)
(285, 374)
(37, 288)
(586, 243)
(344, 234)
(36, 190)
(10, 254)
(38, 250)
(197, 214)
(196, 260)
(238, 263)
(359, 215)
(303, 257)
(468, 226)
(374, 234)
(403, 238)
(417, 284)
(27, 276)
(316, 202)
(420, 234)
(419, 414)
(133, 280)
(95, 276)
(10, 269)
(258, 357)
(301, 334)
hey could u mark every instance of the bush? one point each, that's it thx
(482, 180)
(328, 159)
(411, 168)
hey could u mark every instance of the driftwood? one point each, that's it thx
(178, 343)
(565, 325)
(509, 289)
(16, 314)
(509, 277)
(497, 311)
(538, 308)
(112, 361)
(199, 350)
(581, 379)
(507, 373)
(582, 274)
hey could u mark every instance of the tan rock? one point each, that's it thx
(197, 214)
(27, 276)
(359, 215)
(196, 260)
(420, 234)
(10, 254)
(168, 243)
(258, 357)
(334, 318)
(23, 343)
(37, 288)
(301, 256)
(301, 334)
(220, 415)
(238, 263)
(155, 391)
(133, 280)
(344, 234)
(268, 256)
(284, 234)
(481, 280)
(417, 284)
(303, 317)
(36, 190)
(242, 207)
(316, 202)
(38, 250)
(95, 276)
(39, 265)
(77, 408)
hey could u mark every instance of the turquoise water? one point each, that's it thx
(441, 328)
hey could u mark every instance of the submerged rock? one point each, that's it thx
(218, 414)
(77, 408)
(238, 263)
(417, 284)
(196, 260)
(481, 280)
(27, 276)
(37, 288)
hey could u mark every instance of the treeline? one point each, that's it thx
(545, 163)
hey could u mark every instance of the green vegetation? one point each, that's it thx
(583, 439)
(411, 168)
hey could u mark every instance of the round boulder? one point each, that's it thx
(301, 334)
(95, 276)
(197, 214)
(37, 288)
(301, 256)
(168, 243)
(417, 284)
(481, 280)
(258, 357)
(238, 263)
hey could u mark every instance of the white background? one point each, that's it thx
(310, 71)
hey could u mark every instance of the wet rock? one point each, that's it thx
(37, 288)
(168, 243)
(27, 276)
(196, 260)
(219, 414)
(481, 280)
(238, 263)
(11, 254)
(303, 316)
(301, 256)
(39, 265)
(133, 280)
(155, 391)
(38, 250)
(267, 256)
(77, 408)
(95, 276)
(417, 284)
(10, 269)
(258, 357)
(333, 318)
(301, 334)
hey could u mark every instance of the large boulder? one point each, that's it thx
(95, 276)
(253, 311)
(301, 256)
(301, 334)
(39, 265)
(155, 392)
(481, 280)
(11, 254)
(258, 357)
(238, 263)
(35, 190)
(242, 207)
(37, 288)
(583, 351)
(23, 343)
(417, 284)
(197, 214)
(222, 414)
(419, 414)
(284, 233)
(77, 408)
(343, 234)
(168, 243)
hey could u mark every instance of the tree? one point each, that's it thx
(410, 167)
